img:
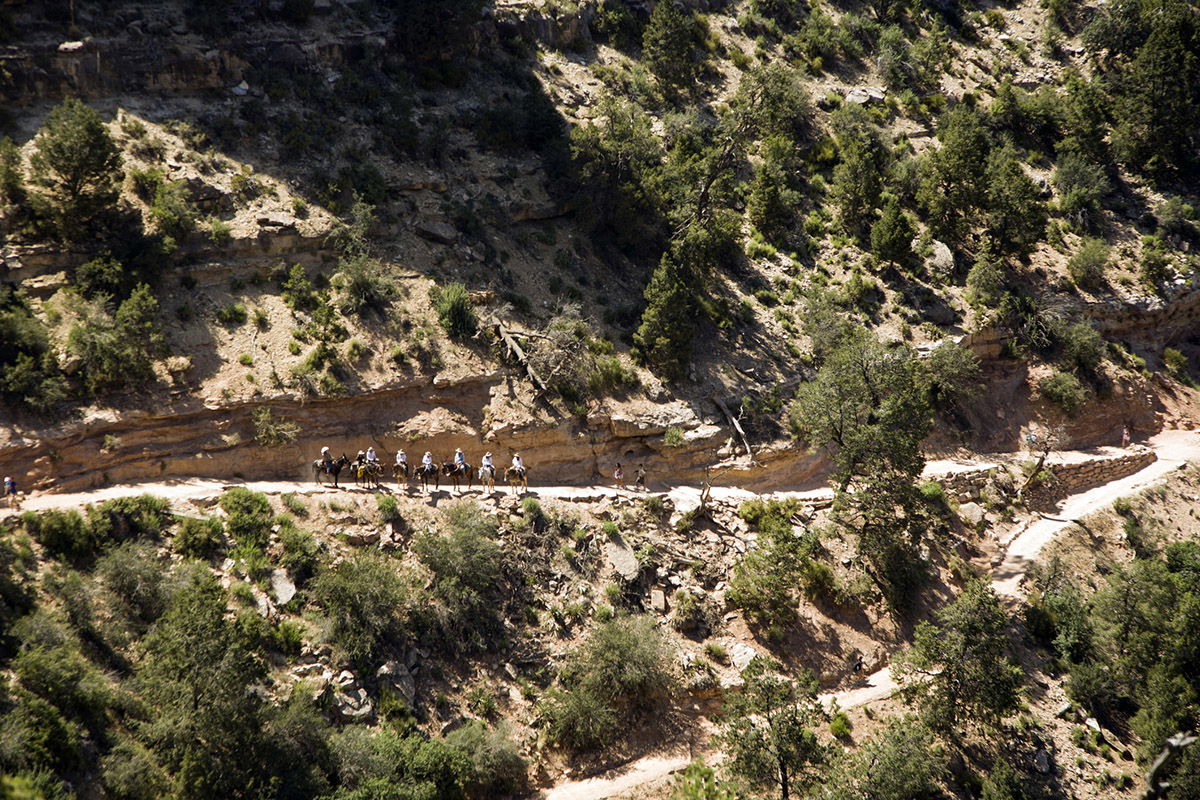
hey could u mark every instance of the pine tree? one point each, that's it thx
(892, 235)
(664, 339)
(1015, 215)
(667, 44)
(78, 166)
(856, 186)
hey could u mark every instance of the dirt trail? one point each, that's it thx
(1174, 448)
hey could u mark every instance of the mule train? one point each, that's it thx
(368, 471)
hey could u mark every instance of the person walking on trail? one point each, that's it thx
(619, 476)
(1125, 437)
(640, 480)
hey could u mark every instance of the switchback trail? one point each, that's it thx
(1173, 448)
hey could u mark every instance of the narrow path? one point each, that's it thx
(1173, 448)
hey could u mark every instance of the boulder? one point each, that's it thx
(353, 704)
(435, 231)
(658, 601)
(971, 513)
(282, 586)
(396, 676)
(741, 654)
(622, 558)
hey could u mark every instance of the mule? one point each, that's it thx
(487, 477)
(516, 477)
(368, 474)
(335, 468)
(457, 473)
(400, 471)
(423, 473)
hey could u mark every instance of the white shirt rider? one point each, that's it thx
(487, 461)
(427, 459)
(459, 458)
(401, 459)
(371, 456)
(517, 462)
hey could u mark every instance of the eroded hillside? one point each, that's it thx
(919, 265)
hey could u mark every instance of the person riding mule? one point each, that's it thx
(401, 465)
(427, 470)
(487, 471)
(516, 474)
(458, 469)
(326, 460)
(327, 465)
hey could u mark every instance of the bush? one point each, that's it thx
(497, 766)
(233, 314)
(272, 431)
(467, 567)
(455, 313)
(389, 510)
(64, 534)
(198, 538)
(130, 772)
(141, 517)
(1176, 363)
(1087, 266)
(673, 437)
(172, 210)
(365, 286)
(364, 599)
(250, 516)
(1083, 346)
(1065, 391)
(301, 552)
(117, 351)
(135, 574)
(840, 725)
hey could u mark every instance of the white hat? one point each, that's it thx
(324, 449)
(488, 453)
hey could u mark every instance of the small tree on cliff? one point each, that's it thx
(77, 165)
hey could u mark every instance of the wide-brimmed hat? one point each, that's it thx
(324, 449)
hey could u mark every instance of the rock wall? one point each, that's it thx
(1072, 478)
(190, 439)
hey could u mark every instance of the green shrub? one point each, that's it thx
(301, 553)
(117, 351)
(233, 314)
(455, 313)
(674, 437)
(364, 599)
(172, 210)
(294, 504)
(497, 766)
(840, 725)
(622, 671)
(130, 772)
(364, 285)
(1088, 264)
(250, 516)
(1083, 346)
(1065, 391)
(467, 567)
(134, 573)
(1176, 363)
(64, 534)
(141, 517)
(272, 431)
(389, 510)
(198, 538)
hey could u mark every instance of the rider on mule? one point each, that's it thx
(487, 465)
(372, 458)
(460, 460)
(326, 460)
(402, 460)
(518, 464)
(427, 459)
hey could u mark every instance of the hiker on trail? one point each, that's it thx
(1125, 437)
(10, 491)
(619, 476)
(640, 480)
